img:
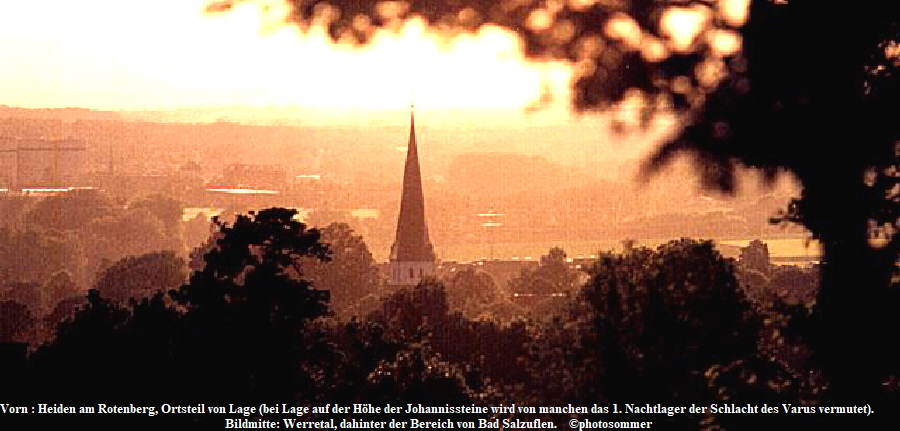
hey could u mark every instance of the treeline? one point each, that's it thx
(53, 249)
(672, 325)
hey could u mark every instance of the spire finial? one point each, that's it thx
(412, 243)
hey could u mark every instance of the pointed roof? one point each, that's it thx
(411, 243)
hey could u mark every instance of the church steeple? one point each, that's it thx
(412, 255)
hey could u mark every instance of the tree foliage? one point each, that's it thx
(142, 276)
(256, 261)
(542, 289)
(245, 316)
(35, 255)
(553, 276)
(16, 322)
(124, 233)
(799, 86)
(667, 326)
(350, 273)
(662, 317)
(472, 291)
(252, 289)
(167, 210)
(72, 211)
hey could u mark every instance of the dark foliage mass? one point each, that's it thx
(15, 322)
(676, 325)
(141, 276)
(245, 329)
(651, 312)
(810, 88)
(350, 273)
(810, 91)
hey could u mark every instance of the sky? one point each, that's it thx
(164, 54)
(156, 55)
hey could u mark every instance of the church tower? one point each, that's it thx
(412, 255)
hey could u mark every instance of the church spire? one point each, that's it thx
(412, 129)
(412, 243)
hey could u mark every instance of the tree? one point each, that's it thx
(258, 258)
(238, 330)
(420, 316)
(130, 232)
(167, 209)
(64, 310)
(26, 293)
(141, 276)
(197, 230)
(417, 375)
(87, 347)
(16, 322)
(35, 255)
(251, 289)
(59, 286)
(660, 319)
(555, 269)
(553, 276)
(350, 273)
(408, 311)
(775, 85)
(72, 211)
(471, 291)
(323, 217)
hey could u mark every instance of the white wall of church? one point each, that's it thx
(410, 273)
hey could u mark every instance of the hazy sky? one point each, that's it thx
(163, 54)
(111, 54)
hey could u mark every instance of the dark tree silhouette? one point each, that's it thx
(167, 209)
(16, 322)
(86, 347)
(417, 375)
(59, 286)
(555, 269)
(660, 319)
(546, 286)
(142, 276)
(421, 314)
(811, 90)
(408, 311)
(351, 272)
(252, 290)
(239, 331)
(70, 212)
(259, 250)
(471, 291)
(129, 232)
(35, 255)
(64, 310)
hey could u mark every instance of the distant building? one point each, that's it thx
(42, 163)
(412, 255)
(8, 161)
(269, 177)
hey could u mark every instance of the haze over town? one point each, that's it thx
(458, 206)
(305, 104)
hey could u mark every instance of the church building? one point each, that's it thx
(412, 255)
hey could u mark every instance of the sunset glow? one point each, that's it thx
(109, 54)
